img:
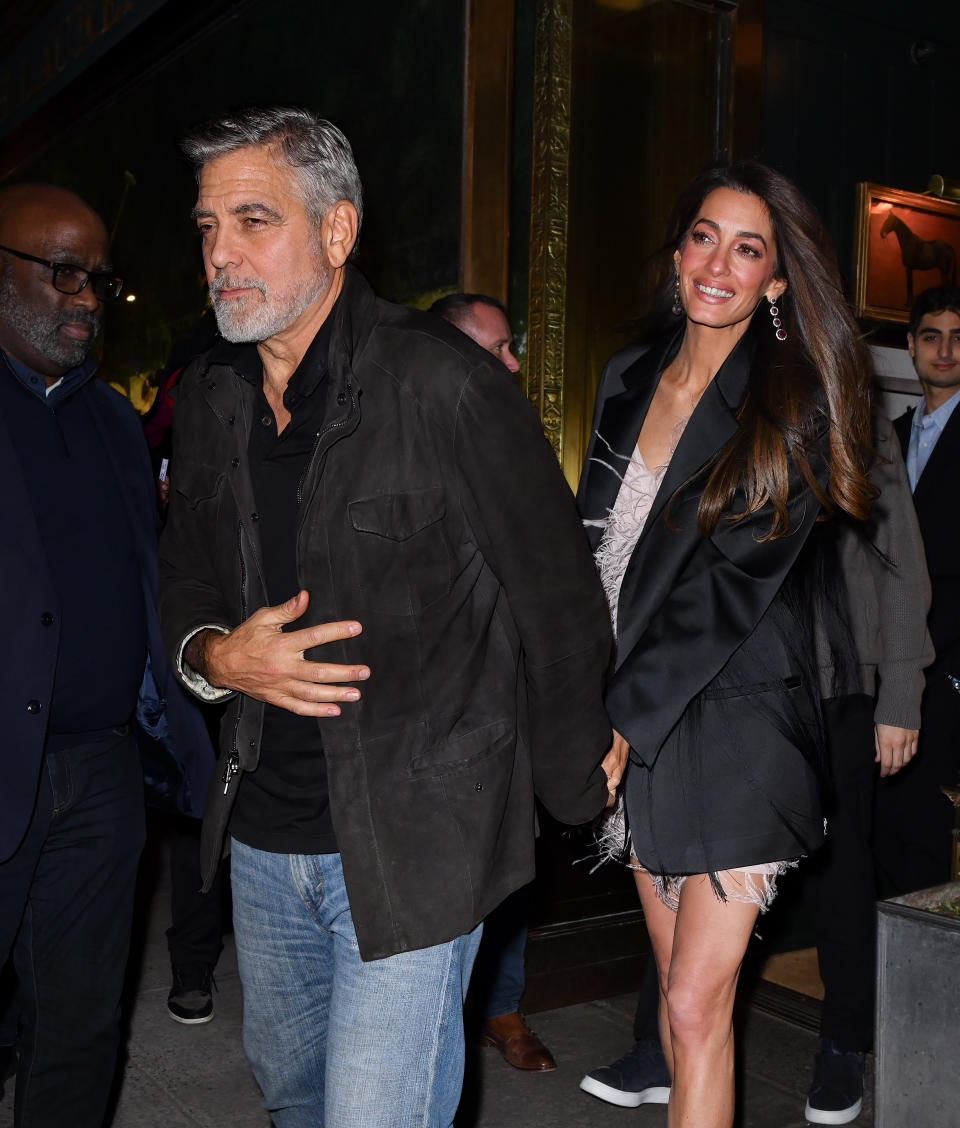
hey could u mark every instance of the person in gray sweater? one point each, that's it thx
(871, 711)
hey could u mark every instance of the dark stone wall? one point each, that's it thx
(860, 90)
(390, 75)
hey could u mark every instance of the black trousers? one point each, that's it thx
(844, 898)
(66, 906)
(844, 891)
(195, 934)
(913, 819)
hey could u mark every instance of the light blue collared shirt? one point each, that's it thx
(924, 432)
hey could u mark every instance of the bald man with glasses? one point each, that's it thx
(81, 663)
(68, 278)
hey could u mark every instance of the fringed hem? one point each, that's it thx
(751, 885)
(747, 885)
(611, 838)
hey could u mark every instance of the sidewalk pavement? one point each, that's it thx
(179, 1076)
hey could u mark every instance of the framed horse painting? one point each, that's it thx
(905, 243)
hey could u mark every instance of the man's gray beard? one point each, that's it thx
(268, 317)
(40, 330)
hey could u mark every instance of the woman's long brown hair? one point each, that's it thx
(816, 383)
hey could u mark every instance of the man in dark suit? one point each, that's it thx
(81, 657)
(913, 819)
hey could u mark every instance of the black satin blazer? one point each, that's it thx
(713, 685)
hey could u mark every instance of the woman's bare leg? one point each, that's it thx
(710, 939)
(699, 950)
(660, 921)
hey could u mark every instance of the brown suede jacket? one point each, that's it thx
(434, 512)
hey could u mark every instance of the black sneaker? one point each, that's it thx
(191, 1000)
(836, 1095)
(639, 1077)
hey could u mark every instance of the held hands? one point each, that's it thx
(260, 660)
(614, 764)
(896, 747)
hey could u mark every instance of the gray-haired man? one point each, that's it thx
(344, 461)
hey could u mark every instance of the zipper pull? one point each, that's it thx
(230, 769)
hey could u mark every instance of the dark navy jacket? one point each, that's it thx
(31, 619)
(933, 498)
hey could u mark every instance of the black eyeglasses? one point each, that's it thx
(70, 279)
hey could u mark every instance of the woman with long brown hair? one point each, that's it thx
(717, 447)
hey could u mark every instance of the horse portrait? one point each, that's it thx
(905, 242)
(920, 254)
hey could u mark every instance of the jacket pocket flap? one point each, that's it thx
(196, 483)
(465, 750)
(398, 516)
(724, 693)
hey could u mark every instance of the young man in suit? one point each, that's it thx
(913, 819)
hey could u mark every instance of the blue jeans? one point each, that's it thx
(499, 977)
(66, 904)
(333, 1040)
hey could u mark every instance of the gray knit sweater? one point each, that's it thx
(888, 598)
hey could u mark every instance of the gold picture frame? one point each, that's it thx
(905, 243)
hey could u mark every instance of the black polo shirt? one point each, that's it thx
(283, 806)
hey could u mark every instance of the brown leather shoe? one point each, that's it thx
(518, 1044)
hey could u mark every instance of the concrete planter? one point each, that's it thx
(918, 1012)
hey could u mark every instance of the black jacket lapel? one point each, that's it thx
(712, 424)
(614, 438)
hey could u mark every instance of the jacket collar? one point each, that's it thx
(245, 359)
(35, 383)
(355, 318)
(230, 376)
(617, 430)
(712, 423)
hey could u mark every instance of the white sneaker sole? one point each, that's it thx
(190, 1021)
(657, 1094)
(832, 1116)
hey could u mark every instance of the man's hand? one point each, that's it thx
(614, 764)
(259, 659)
(896, 747)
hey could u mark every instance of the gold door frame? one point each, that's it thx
(549, 215)
(563, 399)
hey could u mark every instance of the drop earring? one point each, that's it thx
(676, 309)
(781, 333)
